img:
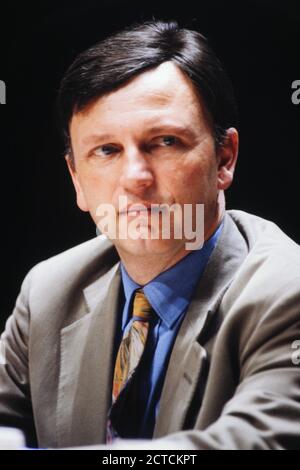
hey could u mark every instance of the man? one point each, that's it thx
(149, 115)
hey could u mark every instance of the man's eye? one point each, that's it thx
(163, 142)
(105, 150)
(167, 140)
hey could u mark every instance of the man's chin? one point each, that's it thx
(144, 247)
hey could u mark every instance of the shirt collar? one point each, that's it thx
(170, 291)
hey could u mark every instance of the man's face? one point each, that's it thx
(151, 141)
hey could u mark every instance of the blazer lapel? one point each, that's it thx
(87, 349)
(188, 365)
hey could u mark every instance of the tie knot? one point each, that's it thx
(141, 306)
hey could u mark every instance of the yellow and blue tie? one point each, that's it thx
(123, 417)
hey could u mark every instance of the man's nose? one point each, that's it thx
(137, 174)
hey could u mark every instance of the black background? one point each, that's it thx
(259, 45)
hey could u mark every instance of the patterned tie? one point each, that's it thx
(123, 416)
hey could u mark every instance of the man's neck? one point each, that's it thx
(142, 269)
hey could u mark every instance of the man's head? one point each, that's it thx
(149, 114)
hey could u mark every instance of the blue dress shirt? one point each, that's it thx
(169, 294)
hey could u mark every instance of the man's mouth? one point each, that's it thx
(138, 209)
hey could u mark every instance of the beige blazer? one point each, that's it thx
(232, 381)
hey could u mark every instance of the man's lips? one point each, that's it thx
(134, 213)
(137, 209)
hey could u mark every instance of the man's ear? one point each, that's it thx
(81, 202)
(227, 156)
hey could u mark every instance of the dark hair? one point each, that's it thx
(125, 54)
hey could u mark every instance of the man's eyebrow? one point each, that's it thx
(183, 130)
(159, 129)
(94, 138)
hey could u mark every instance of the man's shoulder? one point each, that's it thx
(264, 236)
(80, 261)
(271, 270)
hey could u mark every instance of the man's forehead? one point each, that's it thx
(156, 89)
(157, 97)
(162, 83)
